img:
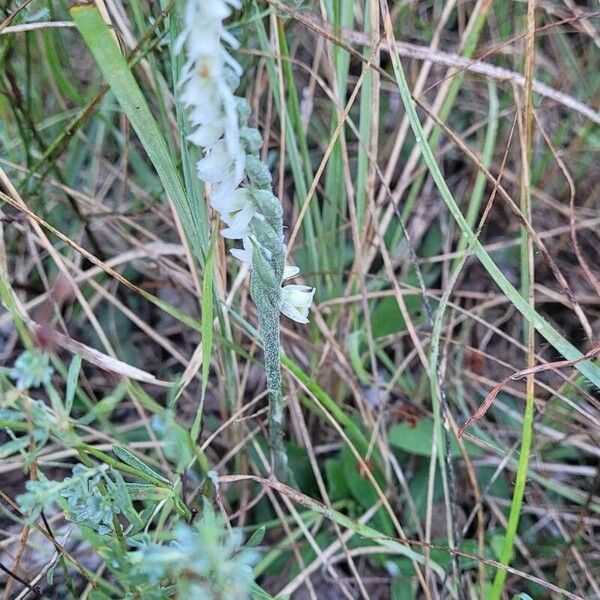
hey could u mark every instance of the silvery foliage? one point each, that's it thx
(41, 425)
(92, 497)
(241, 186)
(203, 561)
(31, 369)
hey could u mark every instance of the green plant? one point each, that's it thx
(241, 187)
(203, 561)
(440, 190)
(32, 369)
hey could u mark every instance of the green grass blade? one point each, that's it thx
(98, 37)
(296, 145)
(436, 334)
(527, 289)
(365, 128)
(336, 205)
(207, 333)
(489, 145)
(72, 377)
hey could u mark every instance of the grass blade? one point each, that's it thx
(207, 333)
(72, 377)
(99, 39)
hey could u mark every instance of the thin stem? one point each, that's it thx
(527, 290)
(435, 374)
(268, 318)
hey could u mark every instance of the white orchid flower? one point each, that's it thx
(296, 300)
(201, 96)
(218, 165)
(290, 271)
(208, 134)
(245, 254)
(236, 209)
(217, 10)
(240, 182)
(227, 202)
(238, 225)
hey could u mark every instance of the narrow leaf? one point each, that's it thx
(102, 44)
(72, 378)
(256, 538)
(133, 461)
(207, 333)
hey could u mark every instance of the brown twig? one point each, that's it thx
(34, 590)
(558, 364)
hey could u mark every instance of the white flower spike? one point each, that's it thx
(231, 159)
(241, 190)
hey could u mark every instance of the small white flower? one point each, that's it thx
(295, 301)
(238, 224)
(231, 127)
(213, 10)
(244, 255)
(226, 201)
(290, 271)
(218, 165)
(207, 134)
(236, 209)
(205, 41)
(201, 95)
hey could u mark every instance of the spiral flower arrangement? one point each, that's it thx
(241, 185)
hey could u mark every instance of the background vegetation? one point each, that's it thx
(438, 166)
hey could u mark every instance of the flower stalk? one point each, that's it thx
(241, 187)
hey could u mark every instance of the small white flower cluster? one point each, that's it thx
(241, 183)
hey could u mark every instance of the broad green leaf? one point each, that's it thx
(387, 318)
(417, 439)
(337, 488)
(497, 544)
(360, 487)
(363, 491)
